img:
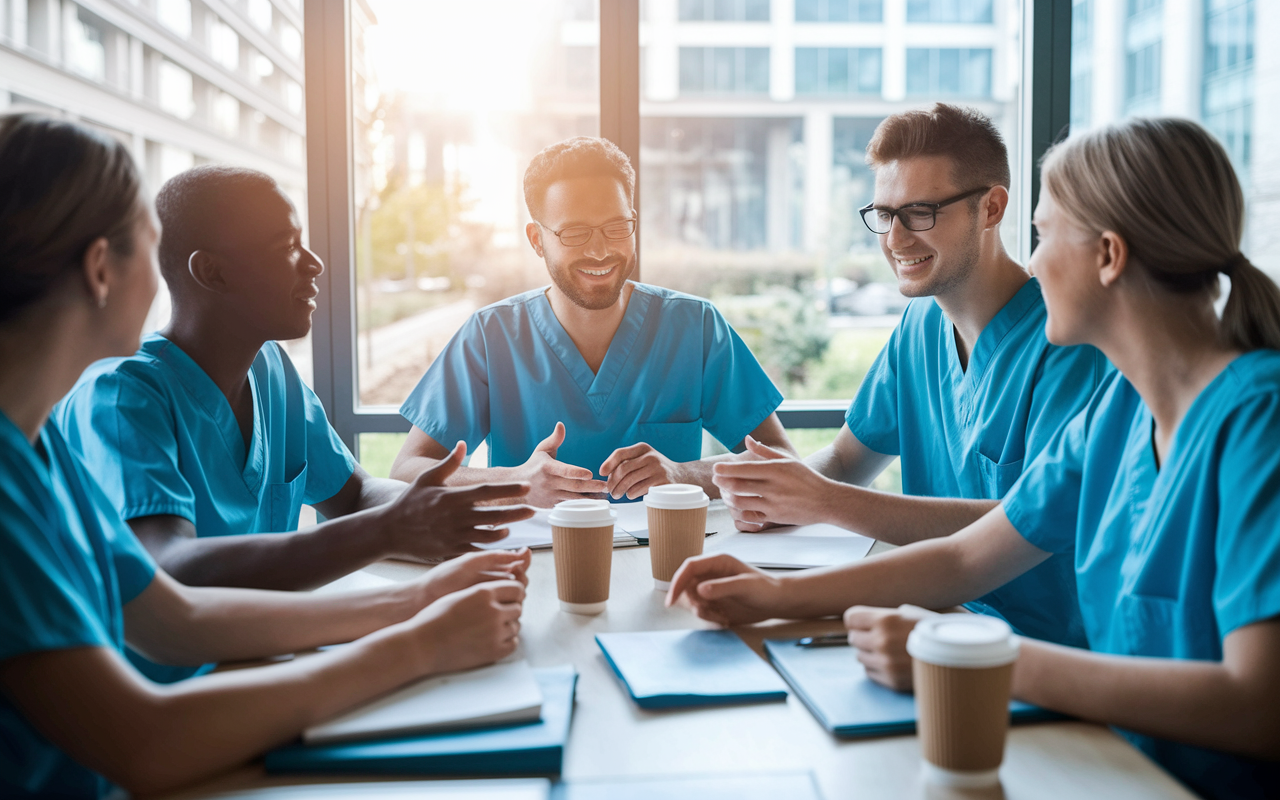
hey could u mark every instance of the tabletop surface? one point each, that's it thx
(612, 737)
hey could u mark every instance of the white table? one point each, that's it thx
(611, 737)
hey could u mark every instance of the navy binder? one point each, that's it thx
(678, 669)
(535, 748)
(834, 685)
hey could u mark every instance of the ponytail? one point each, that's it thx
(1251, 318)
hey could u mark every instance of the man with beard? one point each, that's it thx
(967, 390)
(594, 384)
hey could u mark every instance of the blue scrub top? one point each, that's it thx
(68, 565)
(968, 432)
(1169, 560)
(163, 439)
(674, 367)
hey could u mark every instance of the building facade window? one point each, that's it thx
(949, 11)
(1143, 34)
(1081, 63)
(176, 90)
(224, 45)
(839, 10)
(724, 70)
(86, 54)
(948, 72)
(838, 70)
(260, 14)
(175, 15)
(724, 10)
(225, 112)
(1228, 77)
(291, 41)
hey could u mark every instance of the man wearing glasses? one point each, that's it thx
(967, 391)
(594, 384)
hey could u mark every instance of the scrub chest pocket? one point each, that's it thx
(284, 503)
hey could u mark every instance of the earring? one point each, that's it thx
(102, 300)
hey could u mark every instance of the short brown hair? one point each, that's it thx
(579, 157)
(965, 135)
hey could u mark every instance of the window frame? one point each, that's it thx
(330, 175)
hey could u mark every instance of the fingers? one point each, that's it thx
(696, 570)
(488, 492)
(863, 617)
(437, 475)
(560, 469)
(757, 471)
(636, 482)
(764, 450)
(622, 455)
(505, 593)
(501, 515)
(552, 443)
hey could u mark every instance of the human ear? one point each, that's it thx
(206, 271)
(97, 275)
(1112, 257)
(534, 231)
(994, 206)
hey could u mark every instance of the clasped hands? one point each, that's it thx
(631, 472)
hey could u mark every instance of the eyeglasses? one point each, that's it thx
(578, 235)
(914, 216)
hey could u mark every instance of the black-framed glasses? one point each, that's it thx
(913, 216)
(578, 235)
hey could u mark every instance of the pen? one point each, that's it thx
(826, 640)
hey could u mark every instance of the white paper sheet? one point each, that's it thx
(535, 532)
(798, 547)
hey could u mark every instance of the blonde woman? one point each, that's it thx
(77, 276)
(1165, 489)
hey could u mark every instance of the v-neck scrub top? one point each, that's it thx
(68, 565)
(968, 433)
(674, 367)
(1170, 559)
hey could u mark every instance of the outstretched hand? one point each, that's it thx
(552, 481)
(721, 589)
(431, 521)
(771, 487)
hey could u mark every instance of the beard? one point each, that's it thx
(963, 260)
(592, 298)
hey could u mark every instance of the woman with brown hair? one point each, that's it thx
(1165, 489)
(77, 277)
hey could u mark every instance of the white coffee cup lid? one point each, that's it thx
(963, 640)
(676, 497)
(582, 514)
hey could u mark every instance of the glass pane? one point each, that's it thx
(1152, 57)
(443, 133)
(750, 197)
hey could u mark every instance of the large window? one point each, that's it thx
(949, 72)
(949, 11)
(839, 10)
(724, 10)
(724, 70)
(838, 70)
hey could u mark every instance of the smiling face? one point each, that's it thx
(1066, 261)
(930, 262)
(271, 276)
(590, 275)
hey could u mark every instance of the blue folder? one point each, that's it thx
(678, 669)
(535, 748)
(834, 685)
(771, 786)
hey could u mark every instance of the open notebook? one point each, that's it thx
(797, 547)
(502, 694)
(632, 528)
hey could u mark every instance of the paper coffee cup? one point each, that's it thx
(677, 528)
(582, 542)
(962, 665)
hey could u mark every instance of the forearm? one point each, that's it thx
(375, 492)
(1196, 702)
(283, 561)
(215, 624)
(700, 473)
(899, 519)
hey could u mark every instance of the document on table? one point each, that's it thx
(505, 693)
(631, 528)
(798, 547)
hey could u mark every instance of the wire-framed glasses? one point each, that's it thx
(913, 216)
(578, 235)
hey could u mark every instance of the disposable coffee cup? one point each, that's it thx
(582, 541)
(677, 528)
(962, 665)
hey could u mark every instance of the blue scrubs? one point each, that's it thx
(1170, 559)
(68, 564)
(163, 439)
(674, 367)
(968, 432)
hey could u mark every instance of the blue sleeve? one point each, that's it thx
(125, 429)
(1068, 378)
(1043, 505)
(329, 462)
(737, 395)
(451, 402)
(39, 608)
(873, 415)
(1247, 549)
